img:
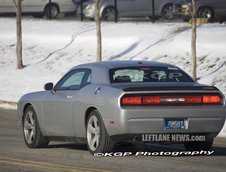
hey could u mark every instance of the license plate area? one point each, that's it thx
(174, 124)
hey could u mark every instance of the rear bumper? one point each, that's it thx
(129, 121)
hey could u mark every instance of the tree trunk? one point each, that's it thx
(98, 30)
(193, 42)
(17, 4)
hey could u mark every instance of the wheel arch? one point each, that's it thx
(39, 117)
(53, 3)
(88, 111)
(105, 7)
(25, 108)
(163, 7)
(166, 4)
(207, 6)
(27, 105)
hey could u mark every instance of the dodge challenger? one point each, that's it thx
(111, 102)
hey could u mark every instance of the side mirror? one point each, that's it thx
(48, 86)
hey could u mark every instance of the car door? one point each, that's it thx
(136, 8)
(34, 6)
(58, 104)
(6, 6)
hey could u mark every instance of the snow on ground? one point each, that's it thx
(8, 106)
(50, 48)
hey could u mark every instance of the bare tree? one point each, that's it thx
(98, 30)
(17, 4)
(193, 42)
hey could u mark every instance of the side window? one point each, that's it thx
(74, 80)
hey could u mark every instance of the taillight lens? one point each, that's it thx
(172, 100)
(151, 100)
(212, 99)
(137, 100)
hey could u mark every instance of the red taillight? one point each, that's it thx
(172, 100)
(212, 99)
(193, 99)
(151, 100)
(132, 100)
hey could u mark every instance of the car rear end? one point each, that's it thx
(172, 110)
(161, 107)
(183, 9)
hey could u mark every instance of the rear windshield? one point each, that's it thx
(148, 74)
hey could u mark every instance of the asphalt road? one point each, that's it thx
(70, 157)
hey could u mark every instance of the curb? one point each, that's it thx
(8, 102)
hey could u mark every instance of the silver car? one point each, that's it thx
(39, 7)
(206, 8)
(132, 8)
(119, 101)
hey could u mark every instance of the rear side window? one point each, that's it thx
(148, 74)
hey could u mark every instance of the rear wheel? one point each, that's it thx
(205, 12)
(109, 14)
(52, 10)
(98, 140)
(197, 146)
(32, 134)
(168, 12)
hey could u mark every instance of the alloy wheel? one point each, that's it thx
(93, 133)
(205, 13)
(109, 14)
(168, 12)
(29, 127)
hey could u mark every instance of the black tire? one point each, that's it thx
(168, 12)
(186, 19)
(54, 11)
(109, 14)
(198, 146)
(37, 140)
(105, 142)
(205, 12)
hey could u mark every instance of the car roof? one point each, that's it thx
(122, 63)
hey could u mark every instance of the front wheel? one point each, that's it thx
(168, 12)
(51, 11)
(198, 146)
(98, 140)
(109, 14)
(32, 134)
(205, 12)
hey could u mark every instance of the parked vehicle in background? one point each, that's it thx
(132, 8)
(206, 9)
(78, 4)
(39, 8)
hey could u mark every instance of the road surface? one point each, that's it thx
(70, 157)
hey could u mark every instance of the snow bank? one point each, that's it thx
(50, 48)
